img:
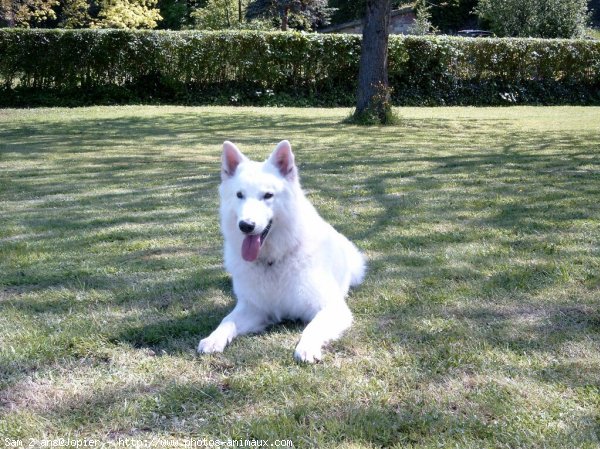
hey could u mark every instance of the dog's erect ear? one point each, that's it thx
(231, 158)
(283, 159)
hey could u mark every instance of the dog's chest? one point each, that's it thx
(277, 288)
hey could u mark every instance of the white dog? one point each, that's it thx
(285, 260)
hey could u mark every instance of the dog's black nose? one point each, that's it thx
(247, 226)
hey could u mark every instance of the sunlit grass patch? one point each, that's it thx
(477, 324)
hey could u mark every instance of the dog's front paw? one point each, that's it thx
(211, 344)
(307, 353)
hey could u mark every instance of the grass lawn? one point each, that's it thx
(478, 324)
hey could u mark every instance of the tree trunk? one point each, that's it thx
(373, 96)
(227, 14)
(284, 18)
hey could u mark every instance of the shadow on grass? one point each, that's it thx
(110, 233)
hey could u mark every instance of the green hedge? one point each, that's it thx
(72, 67)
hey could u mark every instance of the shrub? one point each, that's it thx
(535, 18)
(465, 71)
(73, 67)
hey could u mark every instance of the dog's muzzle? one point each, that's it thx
(247, 227)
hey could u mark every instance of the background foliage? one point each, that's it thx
(128, 14)
(449, 16)
(131, 14)
(523, 18)
(72, 67)
(540, 18)
(217, 14)
(297, 14)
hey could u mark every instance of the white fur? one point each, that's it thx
(304, 268)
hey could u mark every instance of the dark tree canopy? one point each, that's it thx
(300, 14)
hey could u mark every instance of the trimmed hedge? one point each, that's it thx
(74, 67)
(467, 71)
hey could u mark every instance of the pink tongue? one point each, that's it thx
(250, 247)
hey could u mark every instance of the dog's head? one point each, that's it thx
(253, 192)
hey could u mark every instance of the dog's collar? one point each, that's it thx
(263, 235)
(269, 263)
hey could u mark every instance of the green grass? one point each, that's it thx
(477, 325)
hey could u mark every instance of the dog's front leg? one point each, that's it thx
(243, 319)
(327, 325)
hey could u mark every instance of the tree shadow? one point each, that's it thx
(468, 239)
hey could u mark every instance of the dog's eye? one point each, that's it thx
(240, 195)
(268, 196)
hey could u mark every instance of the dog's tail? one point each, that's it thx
(357, 263)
